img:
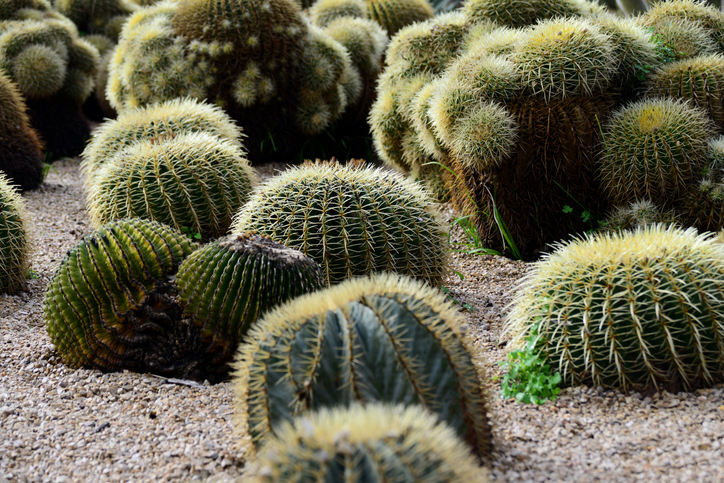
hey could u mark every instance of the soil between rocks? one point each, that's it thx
(64, 425)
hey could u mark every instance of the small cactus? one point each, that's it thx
(635, 309)
(638, 214)
(384, 338)
(97, 16)
(351, 220)
(706, 15)
(194, 181)
(522, 13)
(228, 284)
(355, 445)
(14, 242)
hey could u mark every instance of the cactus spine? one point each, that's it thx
(14, 241)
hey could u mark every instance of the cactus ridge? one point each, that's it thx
(352, 221)
(637, 214)
(394, 15)
(521, 13)
(228, 284)
(193, 180)
(686, 38)
(336, 346)
(376, 442)
(323, 12)
(16, 245)
(632, 309)
(109, 304)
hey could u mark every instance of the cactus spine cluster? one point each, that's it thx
(634, 309)
(352, 220)
(14, 240)
(355, 445)
(384, 338)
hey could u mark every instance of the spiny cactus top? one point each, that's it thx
(521, 13)
(384, 338)
(351, 220)
(394, 15)
(156, 122)
(355, 445)
(14, 241)
(97, 16)
(228, 284)
(630, 309)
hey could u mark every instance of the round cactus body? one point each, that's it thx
(706, 15)
(351, 220)
(228, 284)
(39, 71)
(193, 181)
(636, 309)
(393, 15)
(111, 304)
(638, 214)
(653, 148)
(323, 12)
(356, 445)
(380, 339)
(14, 242)
(679, 38)
(521, 13)
(97, 16)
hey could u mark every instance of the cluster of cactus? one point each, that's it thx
(100, 17)
(633, 309)
(21, 158)
(134, 294)
(384, 338)
(353, 220)
(14, 240)
(55, 71)
(179, 162)
(356, 445)
(279, 75)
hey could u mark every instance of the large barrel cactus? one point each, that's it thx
(361, 444)
(228, 284)
(636, 309)
(384, 338)
(352, 220)
(14, 240)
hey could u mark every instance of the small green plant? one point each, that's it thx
(529, 378)
(32, 274)
(451, 298)
(190, 233)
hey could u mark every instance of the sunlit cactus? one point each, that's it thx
(637, 214)
(14, 237)
(706, 15)
(384, 339)
(314, 447)
(679, 38)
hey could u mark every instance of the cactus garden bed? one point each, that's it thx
(59, 424)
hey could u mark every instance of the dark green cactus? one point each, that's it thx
(521, 13)
(111, 304)
(14, 241)
(323, 12)
(380, 339)
(351, 220)
(195, 181)
(356, 445)
(394, 15)
(228, 284)
(636, 309)
(702, 13)
(97, 16)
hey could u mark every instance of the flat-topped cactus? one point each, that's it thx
(355, 445)
(14, 239)
(384, 338)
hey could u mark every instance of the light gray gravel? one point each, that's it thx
(63, 425)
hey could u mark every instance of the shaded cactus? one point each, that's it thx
(323, 12)
(355, 445)
(351, 220)
(631, 310)
(653, 149)
(394, 15)
(380, 339)
(163, 120)
(194, 181)
(228, 284)
(704, 202)
(521, 13)
(21, 159)
(97, 16)
(14, 240)
(638, 214)
(700, 12)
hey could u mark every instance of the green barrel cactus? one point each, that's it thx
(323, 12)
(699, 80)
(384, 338)
(21, 157)
(14, 240)
(653, 149)
(352, 220)
(97, 16)
(373, 443)
(193, 181)
(394, 15)
(636, 309)
(156, 122)
(522, 13)
(678, 38)
(112, 305)
(229, 283)
(706, 15)
(704, 202)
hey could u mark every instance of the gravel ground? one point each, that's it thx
(62, 425)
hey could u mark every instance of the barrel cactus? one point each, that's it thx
(522, 13)
(385, 338)
(98, 16)
(393, 15)
(653, 150)
(21, 158)
(356, 445)
(228, 284)
(193, 181)
(637, 214)
(635, 309)
(14, 240)
(352, 220)
(701, 13)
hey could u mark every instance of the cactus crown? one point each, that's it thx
(14, 241)
(521, 13)
(394, 15)
(361, 438)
